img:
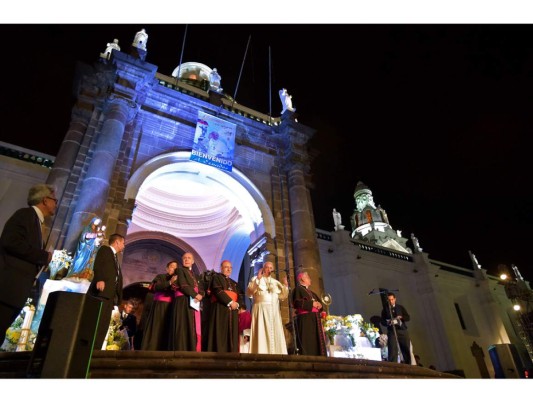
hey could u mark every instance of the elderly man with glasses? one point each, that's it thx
(22, 252)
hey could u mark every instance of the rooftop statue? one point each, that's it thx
(286, 101)
(474, 260)
(416, 243)
(140, 40)
(337, 220)
(110, 47)
(214, 81)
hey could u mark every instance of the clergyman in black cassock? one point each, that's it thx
(223, 334)
(310, 333)
(156, 330)
(185, 322)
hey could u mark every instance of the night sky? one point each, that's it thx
(435, 119)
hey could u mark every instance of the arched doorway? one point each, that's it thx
(188, 206)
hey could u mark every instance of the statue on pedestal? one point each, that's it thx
(286, 101)
(416, 244)
(140, 40)
(475, 263)
(89, 242)
(337, 220)
(214, 81)
(110, 47)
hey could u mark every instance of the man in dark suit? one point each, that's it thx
(22, 252)
(394, 316)
(129, 322)
(107, 284)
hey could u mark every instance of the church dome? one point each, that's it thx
(360, 186)
(192, 71)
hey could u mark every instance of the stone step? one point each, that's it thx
(207, 365)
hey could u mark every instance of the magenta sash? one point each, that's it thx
(159, 296)
(300, 311)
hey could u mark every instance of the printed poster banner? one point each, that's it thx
(214, 142)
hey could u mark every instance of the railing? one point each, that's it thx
(323, 235)
(384, 252)
(229, 104)
(25, 155)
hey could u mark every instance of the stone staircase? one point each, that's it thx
(206, 365)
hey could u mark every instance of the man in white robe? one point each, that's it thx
(267, 336)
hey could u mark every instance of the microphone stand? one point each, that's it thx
(395, 333)
(292, 316)
(382, 291)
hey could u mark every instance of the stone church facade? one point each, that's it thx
(126, 159)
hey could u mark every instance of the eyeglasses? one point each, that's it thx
(51, 198)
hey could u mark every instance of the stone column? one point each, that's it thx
(67, 154)
(95, 188)
(63, 165)
(124, 217)
(305, 245)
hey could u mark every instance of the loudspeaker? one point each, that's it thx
(64, 343)
(506, 361)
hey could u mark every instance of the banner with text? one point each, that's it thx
(214, 142)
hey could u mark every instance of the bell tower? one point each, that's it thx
(371, 223)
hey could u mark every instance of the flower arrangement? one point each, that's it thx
(14, 332)
(61, 259)
(117, 339)
(332, 324)
(370, 331)
(350, 325)
(13, 335)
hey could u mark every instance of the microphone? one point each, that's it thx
(377, 291)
